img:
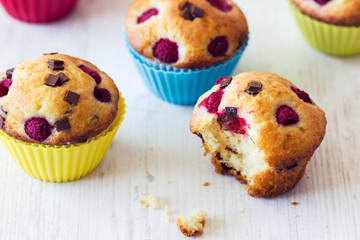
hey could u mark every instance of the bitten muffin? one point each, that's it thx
(337, 12)
(56, 100)
(186, 34)
(261, 129)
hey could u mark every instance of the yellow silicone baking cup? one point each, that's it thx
(328, 38)
(63, 163)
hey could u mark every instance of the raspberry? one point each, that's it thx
(220, 80)
(301, 94)
(222, 5)
(166, 51)
(91, 73)
(38, 128)
(322, 2)
(229, 120)
(102, 94)
(286, 116)
(218, 46)
(4, 87)
(147, 14)
(213, 101)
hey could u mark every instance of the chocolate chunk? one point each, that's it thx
(52, 80)
(287, 168)
(292, 166)
(230, 113)
(185, 5)
(254, 88)
(190, 11)
(62, 125)
(53, 53)
(56, 65)
(196, 12)
(56, 62)
(226, 168)
(2, 120)
(62, 79)
(218, 157)
(3, 109)
(186, 14)
(68, 111)
(225, 82)
(9, 73)
(200, 136)
(72, 97)
(231, 150)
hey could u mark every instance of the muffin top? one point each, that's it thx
(186, 34)
(56, 99)
(337, 12)
(281, 120)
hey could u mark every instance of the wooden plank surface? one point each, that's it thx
(154, 145)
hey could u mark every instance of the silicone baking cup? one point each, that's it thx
(63, 163)
(38, 11)
(177, 85)
(328, 38)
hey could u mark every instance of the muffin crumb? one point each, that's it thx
(151, 202)
(294, 203)
(194, 223)
(206, 184)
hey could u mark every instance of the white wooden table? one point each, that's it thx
(154, 144)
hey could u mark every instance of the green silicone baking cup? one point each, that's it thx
(328, 38)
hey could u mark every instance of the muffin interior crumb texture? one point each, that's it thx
(192, 224)
(151, 202)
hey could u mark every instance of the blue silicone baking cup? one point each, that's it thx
(177, 85)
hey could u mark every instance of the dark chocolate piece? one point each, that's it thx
(287, 168)
(218, 157)
(186, 14)
(226, 168)
(200, 136)
(185, 5)
(56, 65)
(254, 88)
(225, 82)
(72, 97)
(292, 166)
(62, 125)
(196, 12)
(68, 111)
(52, 80)
(9, 73)
(3, 109)
(2, 120)
(231, 150)
(190, 11)
(53, 53)
(230, 113)
(62, 79)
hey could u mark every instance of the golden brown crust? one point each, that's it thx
(29, 97)
(294, 142)
(192, 37)
(269, 183)
(337, 12)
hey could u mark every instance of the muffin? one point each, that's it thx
(330, 26)
(58, 102)
(261, 129)
(38, 11)
(181, 47)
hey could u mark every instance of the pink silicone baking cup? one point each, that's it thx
(38, 11)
